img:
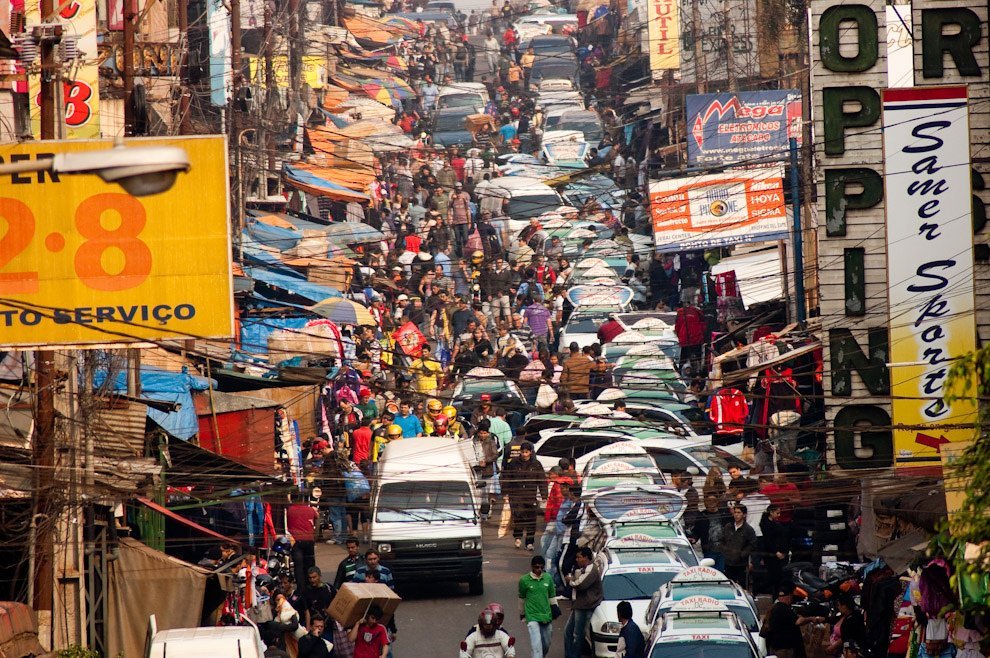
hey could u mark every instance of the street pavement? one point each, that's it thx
(434, 617)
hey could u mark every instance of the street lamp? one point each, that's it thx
(140, 170)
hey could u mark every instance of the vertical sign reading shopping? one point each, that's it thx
(81, 94)
(664, 30)
(931, 289)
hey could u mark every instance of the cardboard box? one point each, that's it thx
(353, 600)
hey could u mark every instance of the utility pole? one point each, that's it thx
(234, 128)
(43, 446)
(730, 60)
(185, 96)
(797, 235)
(130, 15)
(700, 75)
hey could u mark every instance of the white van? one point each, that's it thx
(425, 521)
(207, 642)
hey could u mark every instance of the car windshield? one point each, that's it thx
(478, 385)
(714, 456)
(461, 100)
(425, 500)
(634, 585)
(530, 206)
(591, 129)
(583, 325)
(702, 649)
(450, 123)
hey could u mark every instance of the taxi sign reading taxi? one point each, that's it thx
(699, 604)
(83, 262)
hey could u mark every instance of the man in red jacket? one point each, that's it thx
(690, 329)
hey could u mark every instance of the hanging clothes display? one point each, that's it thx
(728, 411)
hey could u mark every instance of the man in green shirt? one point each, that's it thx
(538, 606)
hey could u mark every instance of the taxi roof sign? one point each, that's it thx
(699, 604)
(700, 575)
(636, 540)
(615, 466)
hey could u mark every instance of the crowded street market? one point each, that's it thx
(586, 311)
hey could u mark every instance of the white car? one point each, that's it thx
(556, 84)
(620, 464)
(633, 573)
(710, 582)
(685, 420)
(701, 626)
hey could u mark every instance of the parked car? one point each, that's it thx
(710, 582)
(701, 626)
(449, 128)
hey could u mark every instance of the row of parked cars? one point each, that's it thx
(634, 523)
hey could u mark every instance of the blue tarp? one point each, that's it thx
(308, 178)
(252, 251)
(165, 386)
(299, 287)
(255, 331)
(282, 239)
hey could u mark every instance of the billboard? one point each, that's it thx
(81, 92)
(664, 29)
(83, 262)
(930, 282)
(718, 209)
(741, 127)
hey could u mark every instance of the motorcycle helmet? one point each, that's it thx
(450, 412)
(477, 257)
(434, 406)
(281, 546)
(440, 425)
(393, 432)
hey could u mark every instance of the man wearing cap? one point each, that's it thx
(460, 216)
(782, 627)
(522, 480)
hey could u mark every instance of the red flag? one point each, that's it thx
(410, 339)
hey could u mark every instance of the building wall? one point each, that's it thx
(852, 258)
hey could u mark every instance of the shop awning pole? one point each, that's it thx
(797, 236)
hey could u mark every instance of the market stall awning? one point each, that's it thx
(189, 462)
(313, 183)
(371, 30)
(352, 178)
(297, 287)
(184, 521)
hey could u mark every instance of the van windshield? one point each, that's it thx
(425, 500)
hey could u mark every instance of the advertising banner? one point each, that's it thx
(930, 281)
(718, 209)
(82, 261)
(664, 29)
(742, 127)
(221, 73)
(81, 93)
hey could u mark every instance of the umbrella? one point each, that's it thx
(343, 312)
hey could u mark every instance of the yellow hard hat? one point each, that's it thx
(450, 412)
(434, 406)
(477, 256)
(393, 430)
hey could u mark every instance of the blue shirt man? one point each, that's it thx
(410, 424)
(372, 562)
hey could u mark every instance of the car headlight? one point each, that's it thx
(384, 548)
(611, 628)
(470, 544)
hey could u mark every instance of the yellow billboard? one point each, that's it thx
(81, 92)
(82, 261)
(664, 31)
